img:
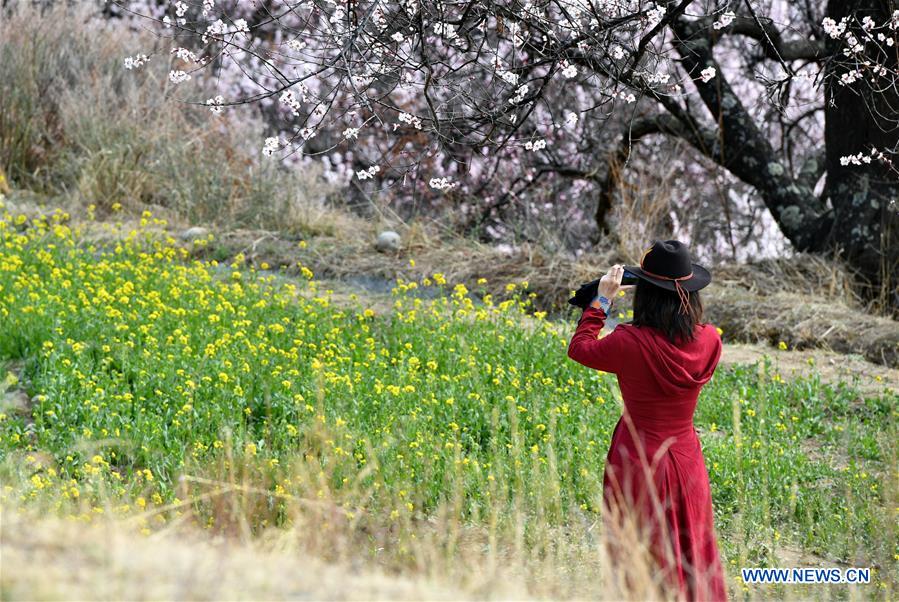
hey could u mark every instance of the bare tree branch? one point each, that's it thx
(763, 30)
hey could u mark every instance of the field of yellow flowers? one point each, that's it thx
(165, 389)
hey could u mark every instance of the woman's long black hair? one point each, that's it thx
(660, 308)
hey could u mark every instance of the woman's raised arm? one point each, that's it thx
(609, 353)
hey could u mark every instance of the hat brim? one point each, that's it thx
(700, 279)
(586, 293)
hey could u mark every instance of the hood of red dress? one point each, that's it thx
(678, 369)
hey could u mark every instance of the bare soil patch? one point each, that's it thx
(868, 377)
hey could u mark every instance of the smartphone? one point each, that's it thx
(628, 278)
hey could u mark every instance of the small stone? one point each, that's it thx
(15, 401)
(194, 233)
(388, 241)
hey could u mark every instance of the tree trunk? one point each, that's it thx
(865, 230)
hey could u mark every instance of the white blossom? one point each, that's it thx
(657, 78)
(176, 76)
(360, 81)
(655, 15)
(410, 119)
(215, 104)
(832, 28)
(569, 71)
(135, 62)
(290, 101)
(296, 45)
(854, 46)
(850, 77)
(535, 145)
(271, 146)
(508, 77)
(307, 133)
(446, 30)
(351, 133)
(185, 55)
(442, 183)
(208, 5)
(863, 158)
(519, 95)
(725, 20)
(617, 52)
(707, 74)
(397, 37)
(369, 173)
(241, 26)
(180, 8)
(218, 28)
(627, 97)
(379, 18)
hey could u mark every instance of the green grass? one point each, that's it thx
(143, 367)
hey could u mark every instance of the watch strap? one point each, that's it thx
(602, 302)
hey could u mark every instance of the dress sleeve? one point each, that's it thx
(608, 353)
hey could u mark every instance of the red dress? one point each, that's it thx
(655, 473)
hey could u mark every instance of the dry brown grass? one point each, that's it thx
(323, 555)
(57, 559)
(806, 302)
(76, 127)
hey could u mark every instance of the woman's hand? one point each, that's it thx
(610, 283)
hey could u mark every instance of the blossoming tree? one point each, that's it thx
(488, 100)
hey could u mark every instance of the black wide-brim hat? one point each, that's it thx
(667, 264)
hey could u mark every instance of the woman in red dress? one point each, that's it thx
(655, 475)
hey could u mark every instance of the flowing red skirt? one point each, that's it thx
(656, 487)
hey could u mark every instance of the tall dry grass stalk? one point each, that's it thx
(642, 212)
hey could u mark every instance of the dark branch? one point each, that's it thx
(639, 128)
(741, 147)
(771, 41)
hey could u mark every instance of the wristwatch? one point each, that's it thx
(602, 302)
